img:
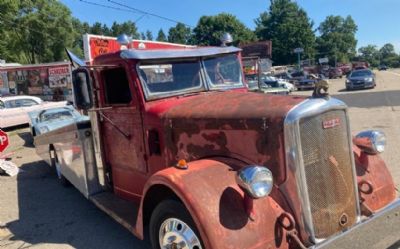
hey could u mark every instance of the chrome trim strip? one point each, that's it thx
(294, 161)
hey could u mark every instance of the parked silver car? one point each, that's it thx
(360, 79)
(51, 119)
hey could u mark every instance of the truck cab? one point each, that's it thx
(178, 146)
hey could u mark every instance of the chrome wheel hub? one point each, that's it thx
(176, 234)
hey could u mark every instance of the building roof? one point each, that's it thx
(176, 53)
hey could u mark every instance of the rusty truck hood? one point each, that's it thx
(241, 125)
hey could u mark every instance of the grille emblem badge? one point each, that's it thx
(331, 123)
(343, 219)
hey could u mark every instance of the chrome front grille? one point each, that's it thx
(328, 172)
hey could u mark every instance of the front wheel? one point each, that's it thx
(172, 227)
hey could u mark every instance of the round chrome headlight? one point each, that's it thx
(371, 142)
(256, 181)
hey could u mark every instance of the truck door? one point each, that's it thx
(122, 133)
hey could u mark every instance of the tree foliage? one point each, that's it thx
(180, 34)
(127, 27)
(149, 35)
(386, 55)
(35, 31)
(370, 54)
(337, 38)
(161, 36)
(288, 27)
(210, 29)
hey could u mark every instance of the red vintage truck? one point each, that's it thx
(180, 153)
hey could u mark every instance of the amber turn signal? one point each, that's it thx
(182, 164)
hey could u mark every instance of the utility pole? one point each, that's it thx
(298, 51)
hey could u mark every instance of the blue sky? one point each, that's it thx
(377, 20)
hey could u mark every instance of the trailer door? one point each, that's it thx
(122, 133)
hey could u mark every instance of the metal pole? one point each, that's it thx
(259, 73)
(298, 60)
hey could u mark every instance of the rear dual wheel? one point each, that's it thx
(171, 227)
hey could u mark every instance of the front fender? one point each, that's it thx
(375, 183)
(209, 191)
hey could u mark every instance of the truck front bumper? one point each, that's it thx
(381, 230)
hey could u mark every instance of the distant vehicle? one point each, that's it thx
(346, 68)
(383, 68)
(360, 79)
(286, 76)
(304, 81)
(267, 85)
(281, 82)
(334, 72)
(47, 120)
(359, 65)
(14, 109)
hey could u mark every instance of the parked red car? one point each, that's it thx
(334, 72)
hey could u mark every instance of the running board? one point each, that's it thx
(122, 211)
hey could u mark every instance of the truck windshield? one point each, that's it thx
(162, 79)
(170, 78)
(224, 72)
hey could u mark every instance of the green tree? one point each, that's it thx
(35, 31)
(388, 56)
(180, 34)
(161, 36)
(127, 27)
(209, 30)
(97, 29)
(142, 36)
(370, 54)
(288, 27)
(149, 35)
(8, 30)
(337, 38)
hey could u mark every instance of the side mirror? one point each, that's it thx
(82, 88)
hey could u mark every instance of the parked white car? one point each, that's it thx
(282, 82)
(14, 109)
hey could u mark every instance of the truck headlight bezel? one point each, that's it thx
(371, 141)
(255, 181)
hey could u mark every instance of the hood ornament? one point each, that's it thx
(321, 88)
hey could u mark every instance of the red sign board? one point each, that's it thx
(95, 45)
(3, 141)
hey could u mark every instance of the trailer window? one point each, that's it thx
(116, 87)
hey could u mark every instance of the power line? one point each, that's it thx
(114, 8)
(107, 6)
(148, 13)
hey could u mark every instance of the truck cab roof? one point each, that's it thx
(154, 54)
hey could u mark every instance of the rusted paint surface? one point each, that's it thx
(376, 186)
(216, 124)
(216, 203)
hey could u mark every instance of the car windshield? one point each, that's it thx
(224, 72)
(363, 73)
(62, 115)
(171, 78)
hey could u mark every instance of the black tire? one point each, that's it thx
(169, 209)
(54, 160)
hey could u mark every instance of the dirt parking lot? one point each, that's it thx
(36, 212)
